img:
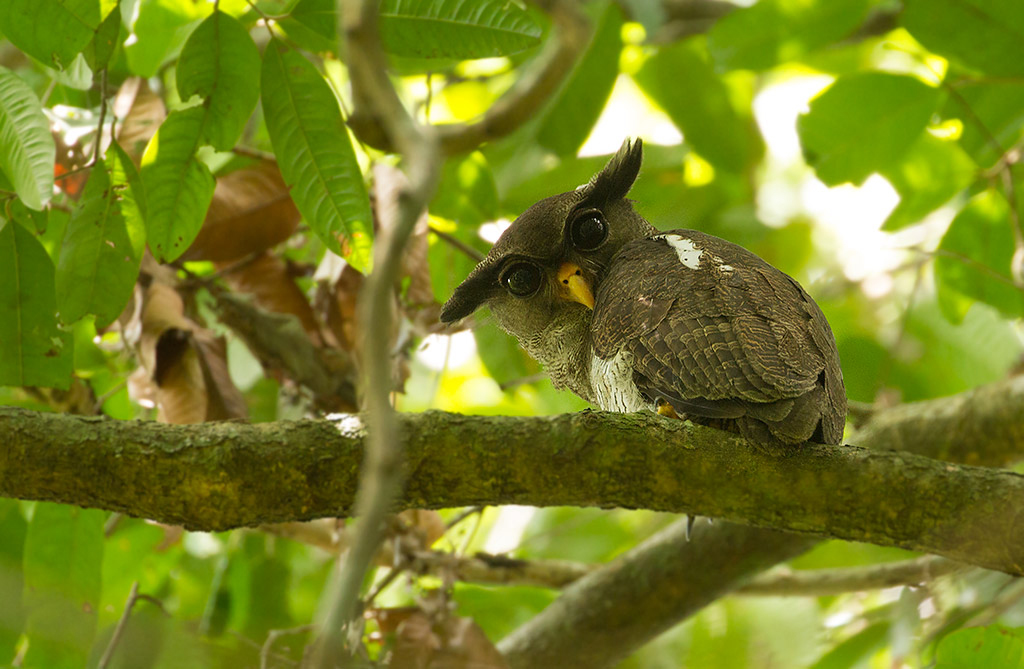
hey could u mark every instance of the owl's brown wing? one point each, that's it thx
(723, 337)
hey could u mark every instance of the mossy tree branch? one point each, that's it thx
(219, 476)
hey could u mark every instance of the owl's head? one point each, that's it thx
(550, 261)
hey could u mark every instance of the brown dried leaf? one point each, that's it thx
(251, 212)
(415, 643)
(186, 363)
(268, 279)
(142, 110)
(387, 184)
(338, 305)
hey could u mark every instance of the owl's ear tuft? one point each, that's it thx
(480, 286)
(617, 177)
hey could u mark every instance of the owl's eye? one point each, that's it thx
(522, 279)
(588, 230)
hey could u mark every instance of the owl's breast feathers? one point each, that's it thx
(722, 336)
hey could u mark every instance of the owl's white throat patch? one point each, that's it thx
(612, 383)
(688, 252)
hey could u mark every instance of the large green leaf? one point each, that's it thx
(178, 187)
(12, 543)
(986, 35)
(315, 154)
(160, 29)
(932, 172)
(26, 145)
(99, 50)
(975, 254)
(221, 63)
(773, 31)
(103, 244)
(63, 558)
(992, 113)
(313, 24)
(856, 650)
(52, 31)
(567, 122)
(455, 28)
(864, 123)
(708, 120)
(992, 646)
(33, 350)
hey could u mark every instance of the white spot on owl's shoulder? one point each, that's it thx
(688, 252)
(582, 186)
(612, 383)
(722, 265)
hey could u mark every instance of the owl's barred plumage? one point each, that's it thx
(628, 317)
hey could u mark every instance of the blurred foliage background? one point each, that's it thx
(869, 148)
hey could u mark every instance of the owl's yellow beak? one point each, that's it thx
(574, 287)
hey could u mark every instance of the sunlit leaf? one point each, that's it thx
(160, 30)
(931, 173)
(986, 35)
(26, 145)
(63, 558)
(103, 244)
(466, 193)
(975, 254)
(33, 350)
(990, 113)
(863, 123)
(567, 122)
(178, 187)
(56, 39)
(315, 154)
(709, 121)
(992, 646)
(455, 28)
(221, 63)
(771, 31)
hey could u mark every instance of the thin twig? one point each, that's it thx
(98, 149)
(457, 243)
(381, 481)
(108, 654)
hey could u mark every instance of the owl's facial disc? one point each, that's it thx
(573, 286)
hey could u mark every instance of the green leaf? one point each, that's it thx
(102, 249)
(988, 110)
(931, 173)
(709, 122)
(313, 25)
(502, 356)
(52, 31)
(221, 63)
(975, 253)
(567, 122)
(773, 31)
(12, 542)
(857, 650)
(33, 350)
(98, 52)
(466, 193)
(315, 154)
(178, 187)
(26, 146)
(992, 646)
(864, 123)
(63, 558)
(160, 29)
(455, 28)
(986, 35)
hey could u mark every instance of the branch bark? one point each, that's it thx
(219, 476)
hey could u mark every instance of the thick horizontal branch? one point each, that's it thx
(224, 475)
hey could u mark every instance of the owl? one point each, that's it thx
(631, 318)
